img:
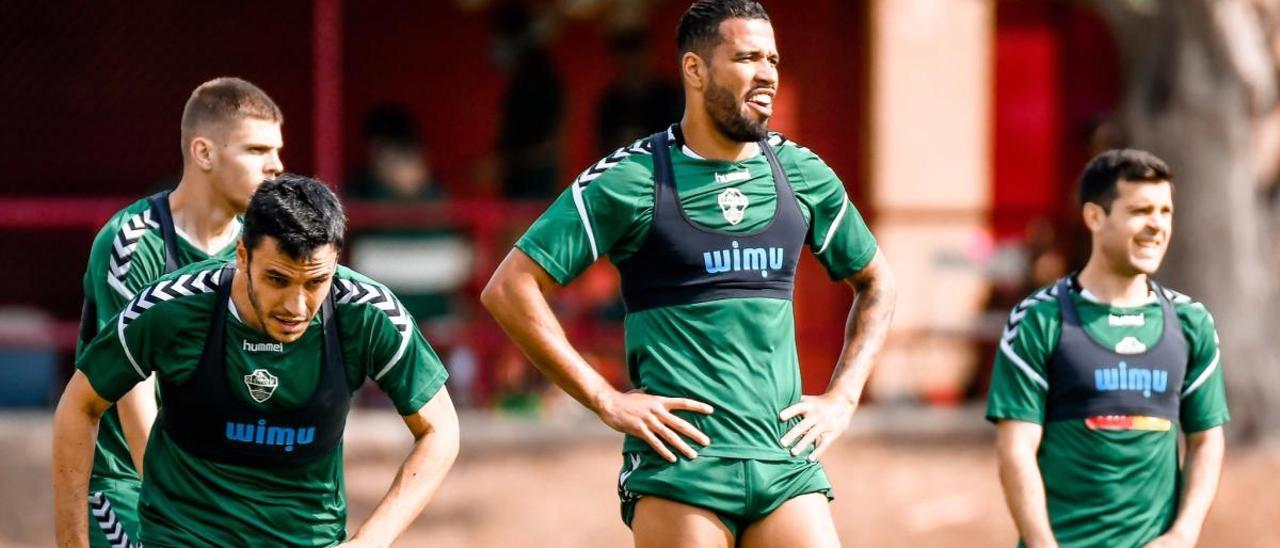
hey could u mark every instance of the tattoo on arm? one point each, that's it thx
(866, 327)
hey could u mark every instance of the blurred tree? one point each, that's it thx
(1201, 92)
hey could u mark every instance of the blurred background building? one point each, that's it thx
(448, 125)
(958, 127)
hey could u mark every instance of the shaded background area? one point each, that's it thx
(96, 93)
(957, 126)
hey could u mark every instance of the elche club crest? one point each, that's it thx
(261, 384)
(733, 204)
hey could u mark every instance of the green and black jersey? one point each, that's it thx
(736, 354)
(187, 501)
(1109, 480)
(127, 254)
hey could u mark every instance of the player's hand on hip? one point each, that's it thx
(651, 419)
(825, 418)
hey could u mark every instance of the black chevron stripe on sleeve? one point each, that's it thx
(356, 292)
(185, 285)
(1020, 311)
(640, 146)
(122, 248)
(107, 520)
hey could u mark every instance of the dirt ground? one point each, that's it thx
(890, 493)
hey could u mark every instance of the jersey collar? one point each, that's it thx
(676, 136)
(1089, 296)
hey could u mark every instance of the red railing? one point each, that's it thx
(488, 224)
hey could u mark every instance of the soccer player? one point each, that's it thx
(231, 142)
(256, 360)
(1097, 373)
(705, 221)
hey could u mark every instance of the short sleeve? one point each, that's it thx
(1204, 394)
(838, 236)
(123, 353)
(396, 355)
(1019, 388)
(122, 260)
(590, 218)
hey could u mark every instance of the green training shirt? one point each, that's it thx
(1109, 481)
(127, 255)
(188, 501)
(738, 355)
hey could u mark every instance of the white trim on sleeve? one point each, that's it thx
(125, 345)
(831, 231)
(586, 220)
(404, 343)
(1018, 361)
(1203, 376)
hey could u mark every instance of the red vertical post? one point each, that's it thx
(1028, 117)
(327, 91)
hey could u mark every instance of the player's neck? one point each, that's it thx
(208, 221)
(240, 299)
(701, 136)
(1113, 288)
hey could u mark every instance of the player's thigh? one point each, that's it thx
(664, 523)
(802, 522)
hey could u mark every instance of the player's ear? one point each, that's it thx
(242, 257)
(693, 70)
(1094, 216)
(201, 152)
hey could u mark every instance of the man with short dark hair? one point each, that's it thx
(231, 141)
(257, 360)
(706, 221)
(1097, 373)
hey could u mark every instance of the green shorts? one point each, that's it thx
(113, 518)
(739, 491)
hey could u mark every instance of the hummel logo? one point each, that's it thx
(263, 347)
(1127, 320)
(740, 175)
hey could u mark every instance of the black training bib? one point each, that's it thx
(681, 262)
(206, 419)
(1088, 380)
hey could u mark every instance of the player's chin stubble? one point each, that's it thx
(727, 115)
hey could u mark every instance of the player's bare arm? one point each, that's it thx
(75, 427)
(137, 411)
(1203, 470)
(1016, 445)
(435, 431)
(827, 416)
(516, 296)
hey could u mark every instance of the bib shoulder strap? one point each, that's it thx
(160, 204)
(1070, 316)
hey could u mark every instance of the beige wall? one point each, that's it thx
(930, 152)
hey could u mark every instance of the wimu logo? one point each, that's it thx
(1136, 379)
(278, 436)
(737, 259)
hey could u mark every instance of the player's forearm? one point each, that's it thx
(415, 484)
(1024, 493)
(137, 411)
(518, 304)
(865, 330)
(1203, 469)
(75, 427)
